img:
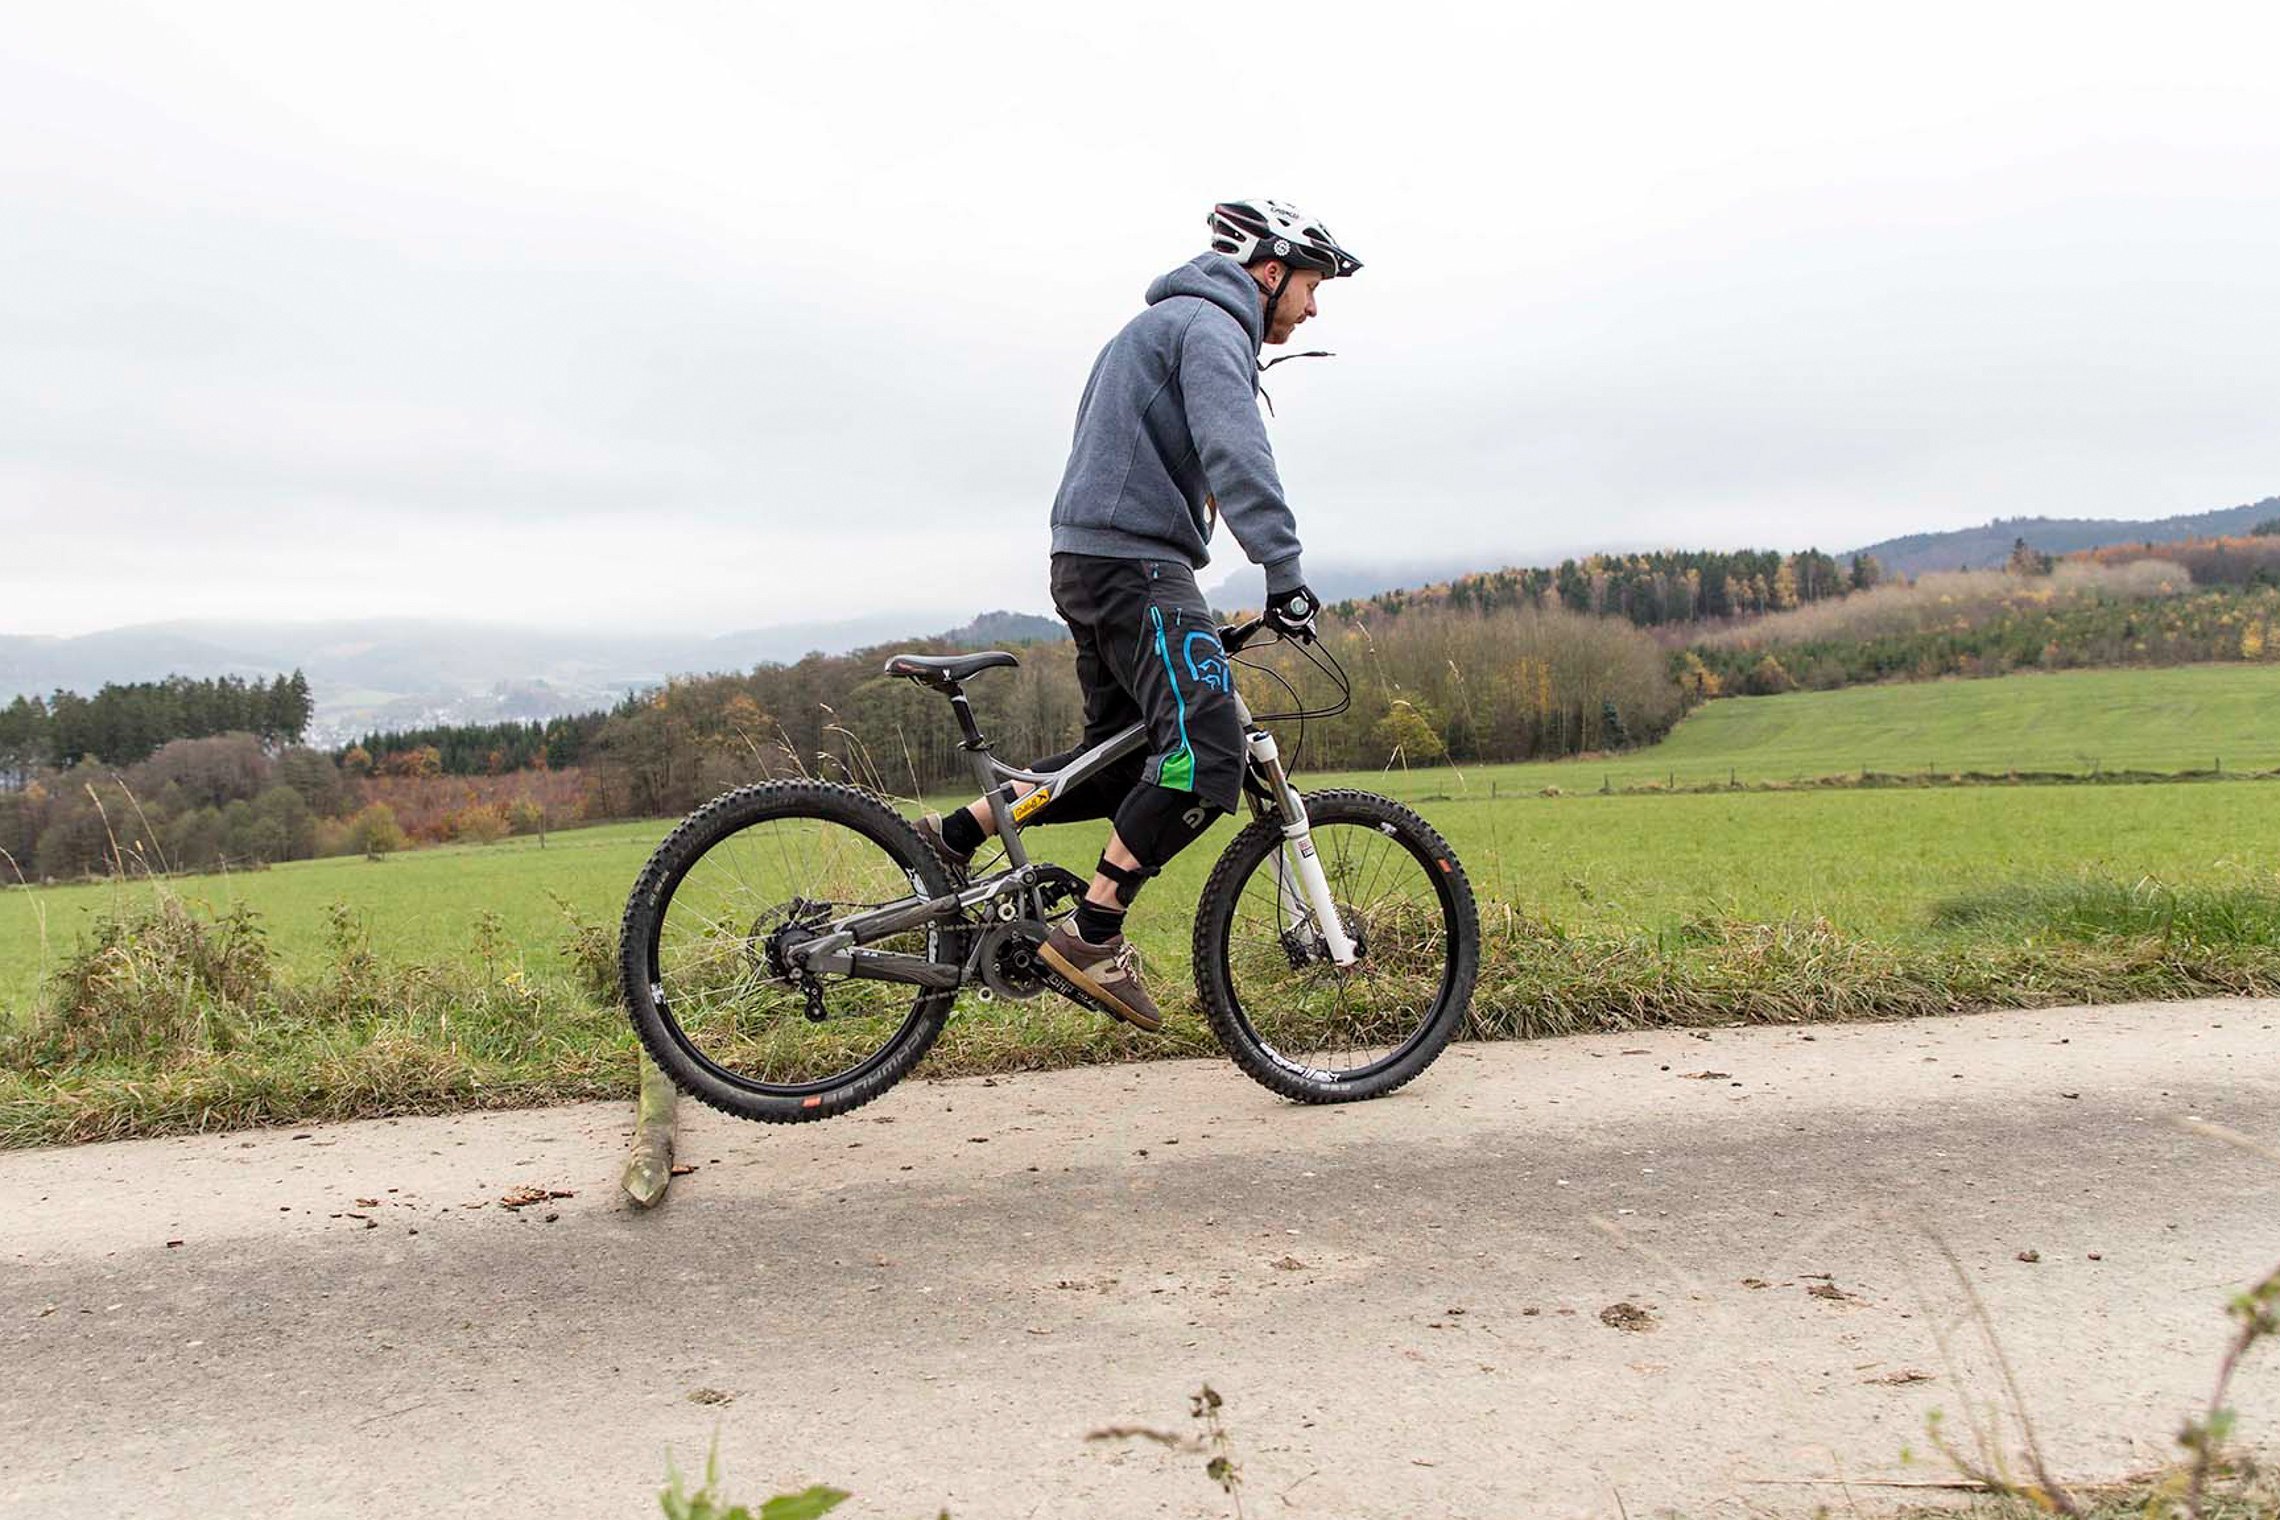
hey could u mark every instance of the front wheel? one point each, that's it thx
(1306, 1028)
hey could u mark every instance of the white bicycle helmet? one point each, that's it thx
(1247, 231)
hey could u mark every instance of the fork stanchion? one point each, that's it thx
(649, 1167)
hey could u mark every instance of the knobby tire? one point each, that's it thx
(715, 825)
(1250, 852)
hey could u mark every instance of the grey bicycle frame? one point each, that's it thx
(1012, 814)
(1301, 886)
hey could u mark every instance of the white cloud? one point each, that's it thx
(663, 314)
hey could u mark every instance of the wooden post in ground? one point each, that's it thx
(649, 1169)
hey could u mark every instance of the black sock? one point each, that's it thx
(961, 833)
(1097, 925)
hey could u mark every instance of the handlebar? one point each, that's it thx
(1234, 636)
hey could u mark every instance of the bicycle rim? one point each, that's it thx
(1323, 1024)
(724, 990)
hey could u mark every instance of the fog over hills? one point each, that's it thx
(1989, 545)
(401, 672)
(382, 673)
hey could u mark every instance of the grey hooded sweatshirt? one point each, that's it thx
(1170, 421)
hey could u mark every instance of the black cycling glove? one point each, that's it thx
(1291, 613)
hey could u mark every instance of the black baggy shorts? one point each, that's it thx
(1148, 651)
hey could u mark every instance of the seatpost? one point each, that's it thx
(966, 725)
(994, 790)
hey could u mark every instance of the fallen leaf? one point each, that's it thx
(523, 1197)
(1288, 1264)
(2030, 1255)
(1832, 1293)
(1901, 1378)
(1626, 1316)
(1706, 1076)
(710, 1396)
(368, 1203)
(682, 1170)
(1755, 1282)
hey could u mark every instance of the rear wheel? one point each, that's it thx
(1299, 1024)
(702, 952)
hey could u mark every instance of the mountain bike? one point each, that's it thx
(794, 947)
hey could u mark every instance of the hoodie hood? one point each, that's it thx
(1216, 278)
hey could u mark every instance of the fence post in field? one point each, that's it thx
(649, 1169)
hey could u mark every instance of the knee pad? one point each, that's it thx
(1157, 823)
(1128, 883)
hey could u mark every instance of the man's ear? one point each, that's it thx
(1268, 272)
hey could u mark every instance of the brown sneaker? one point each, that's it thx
(1108, 975)
(930, 829)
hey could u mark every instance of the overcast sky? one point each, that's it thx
(701, 317)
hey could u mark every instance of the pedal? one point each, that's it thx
(1055, 982)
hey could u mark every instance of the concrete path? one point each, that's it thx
(1596, 1276)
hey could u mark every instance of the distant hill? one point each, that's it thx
(994, 628)
(389, 673)
(1245, 585)
(1986, 547)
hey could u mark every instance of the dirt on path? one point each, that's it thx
(1595, 1276)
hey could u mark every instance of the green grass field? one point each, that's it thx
(2180, 719)
(1600, 910)
(1872, 862)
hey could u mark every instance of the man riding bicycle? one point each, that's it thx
(1168, 441)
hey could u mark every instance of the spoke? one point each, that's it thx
(1345, 1021)
(712, 963)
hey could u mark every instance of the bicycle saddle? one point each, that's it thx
(947, 669)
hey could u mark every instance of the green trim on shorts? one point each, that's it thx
(1176, 770)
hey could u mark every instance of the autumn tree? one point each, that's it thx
(2026, 559)
(1409, 735)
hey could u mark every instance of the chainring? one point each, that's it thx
(1010, 965)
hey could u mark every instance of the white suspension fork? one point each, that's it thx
(1300, 884)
